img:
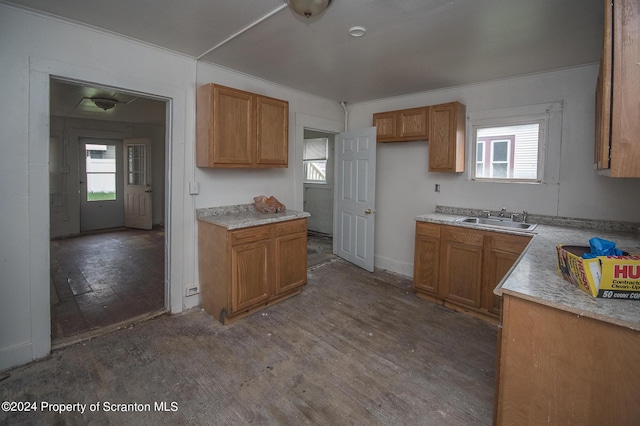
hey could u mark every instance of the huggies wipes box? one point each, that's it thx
(609, 277)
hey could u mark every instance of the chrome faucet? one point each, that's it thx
(502, 212)
(524, 216)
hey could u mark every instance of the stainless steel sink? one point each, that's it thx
(499, 223)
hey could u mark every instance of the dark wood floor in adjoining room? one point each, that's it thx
(354, 348)
(105, 278)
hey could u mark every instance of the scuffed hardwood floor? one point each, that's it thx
(353, 349)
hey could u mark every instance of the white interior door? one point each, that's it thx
(354, 222)
(137, 183)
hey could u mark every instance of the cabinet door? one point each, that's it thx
(291, 255)
(291, 262)
(385, 123)
(446, 138)
(413, 124)
(625, 125)
(503, 251)
(232, 127)
(249, 274)
(427, 258)
(462, 265)
(603, 96)
(272, 121)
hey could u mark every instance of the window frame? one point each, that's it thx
(89, 173)
(549, 118)
(306, 163)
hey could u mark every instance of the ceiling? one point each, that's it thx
(410, 45)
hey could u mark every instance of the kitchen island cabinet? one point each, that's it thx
(243, 270)
(556, 367)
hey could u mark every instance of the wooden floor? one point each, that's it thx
(354, 348)
(103, 278)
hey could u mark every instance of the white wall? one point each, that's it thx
(33, 48)
(405, 188)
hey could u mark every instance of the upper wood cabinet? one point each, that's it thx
(617, 147)
(402, 125)
(447, 137)
(235, 129)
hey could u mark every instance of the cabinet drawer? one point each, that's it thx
(291, 227)
(428, 229)
(256, 233)
(509, 243)
(465, 236)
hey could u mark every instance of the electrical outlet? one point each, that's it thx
(190, 291)
(437, 189)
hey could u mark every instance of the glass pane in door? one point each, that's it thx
(136, 164)
(101, 172)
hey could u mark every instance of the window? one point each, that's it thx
(101, 172)
(136, 164)
(315, 160)
(509, 145)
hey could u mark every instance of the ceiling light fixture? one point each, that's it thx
(104, 103)
(308, 8)
(357, 31)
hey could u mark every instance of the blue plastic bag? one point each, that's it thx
(600, 247)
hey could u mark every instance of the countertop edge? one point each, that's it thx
(241, 220)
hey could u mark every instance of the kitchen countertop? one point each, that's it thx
(244, 216)
(534, 276)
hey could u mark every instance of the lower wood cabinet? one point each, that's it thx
(459, 267)
(245, 270)
(462, 266)
(561, 368)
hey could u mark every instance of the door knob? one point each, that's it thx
(367, 211)
(148, 190)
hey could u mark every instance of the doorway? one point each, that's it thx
(104, 274)
(318, 186)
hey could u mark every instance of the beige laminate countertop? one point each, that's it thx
(244, 216)
(534, 276)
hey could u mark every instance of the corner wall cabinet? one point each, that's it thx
(447, 137)
(245, 270)
(402, 125)
(459, 267)
(617, 145)
(238, 129)
(442, 125)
